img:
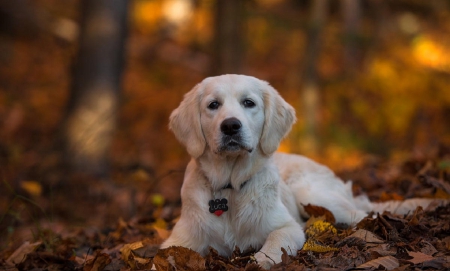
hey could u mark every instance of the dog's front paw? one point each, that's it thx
(264, 260)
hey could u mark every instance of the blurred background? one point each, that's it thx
(87, 86)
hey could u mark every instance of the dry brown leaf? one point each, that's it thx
(383, 250)
(285, 257)
(99, 263)
(127, 256)
(407, 206)
(253, 267)
(138, 253)
(437, 183)
(179, 258)
(419, 257)
(401, 268)
(367, 236)
(352, 241)
(428, 248)
(387, 262)
(148, 250)
(19, 254)
(437, 263)
(446, 242)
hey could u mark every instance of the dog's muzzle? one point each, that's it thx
(231, 136)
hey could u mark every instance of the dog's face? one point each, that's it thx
(231, 115)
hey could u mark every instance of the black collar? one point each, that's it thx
(229, 186)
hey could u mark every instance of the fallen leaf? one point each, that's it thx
(138, 253)
(407, 206)
(438, 263)
(20, 253)
(114, 265)
(127, 255)
(383, 250)
(311, 245)
(179, 258)
(320, 227)
(346, 258)
(419, 257)
(351, 242)
(32, 187)
(427, 248)
(416, 216)
(162, 233)
(390, 196)
(99, 263)
(285, 257)
(148, 249)
(317, 211)
(387, 262)
(446, 242)
(435, 182)
(401, 268)
(367, 236)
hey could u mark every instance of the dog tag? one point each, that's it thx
(218, 206)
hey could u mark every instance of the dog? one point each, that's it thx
(237, 191)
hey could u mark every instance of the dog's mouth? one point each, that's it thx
(233, 144)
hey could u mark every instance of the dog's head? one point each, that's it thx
(230, 115)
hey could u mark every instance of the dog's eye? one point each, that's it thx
(213, 105)
(248, 103)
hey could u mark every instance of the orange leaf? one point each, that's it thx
(317, 211)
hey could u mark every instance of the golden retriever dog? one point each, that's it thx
(237, 191)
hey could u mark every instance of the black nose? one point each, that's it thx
(230, 126)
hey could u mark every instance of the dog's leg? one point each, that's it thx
(290, 237)
(187, 234)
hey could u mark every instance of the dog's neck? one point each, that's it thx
(233, 170)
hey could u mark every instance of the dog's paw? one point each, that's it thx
(264, 260)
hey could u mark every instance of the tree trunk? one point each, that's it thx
(352, 51)
(92, 107)
(228, 37)
(310, 94)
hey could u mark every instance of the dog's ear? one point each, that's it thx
(185, 123)
(279, 118)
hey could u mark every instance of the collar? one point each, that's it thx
(229, 186)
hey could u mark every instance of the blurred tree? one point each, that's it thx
(310, 89)
(351, 10)
(19, 18)
(92, 108)
(228, 37)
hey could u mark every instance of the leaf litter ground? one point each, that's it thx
(419, 240)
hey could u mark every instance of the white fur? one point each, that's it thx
(265, 213)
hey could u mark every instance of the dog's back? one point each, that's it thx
(313, 183)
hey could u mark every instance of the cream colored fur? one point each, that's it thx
(265, 213)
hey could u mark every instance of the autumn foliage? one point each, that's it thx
(381, 119)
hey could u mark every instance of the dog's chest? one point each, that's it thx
(243, 224)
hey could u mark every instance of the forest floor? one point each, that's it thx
(92, 225)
